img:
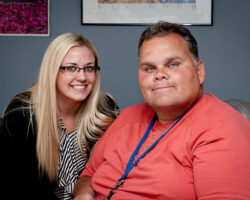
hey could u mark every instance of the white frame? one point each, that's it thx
(197, 13)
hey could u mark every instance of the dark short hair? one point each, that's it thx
(164, 28)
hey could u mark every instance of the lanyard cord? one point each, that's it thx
(130, 166)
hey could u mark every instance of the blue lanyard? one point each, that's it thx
(130, 164)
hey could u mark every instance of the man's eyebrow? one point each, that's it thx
(170, 59)
(167, 60)
(146, 63)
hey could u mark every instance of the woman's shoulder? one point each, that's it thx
(108, 106)
(21, 101)
(18, 109)
(16, 117)
(111, 102)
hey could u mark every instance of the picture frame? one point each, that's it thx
(143, 12)
(24, 18)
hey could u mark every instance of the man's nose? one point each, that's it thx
(161, 74)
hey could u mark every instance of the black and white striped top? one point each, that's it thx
(71, 164)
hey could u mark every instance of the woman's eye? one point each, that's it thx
(71, 68)
(89, 69)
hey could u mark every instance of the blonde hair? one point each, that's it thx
(93, 116)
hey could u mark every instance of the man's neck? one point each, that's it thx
(171, 115)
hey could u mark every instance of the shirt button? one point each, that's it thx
(160, 129)
(153, 137)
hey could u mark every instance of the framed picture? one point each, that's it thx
(185, 12)
(24, 17)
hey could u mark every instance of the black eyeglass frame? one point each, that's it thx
(78, 68)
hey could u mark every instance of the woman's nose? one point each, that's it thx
(81, 75)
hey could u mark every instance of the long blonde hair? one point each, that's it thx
(93, 116)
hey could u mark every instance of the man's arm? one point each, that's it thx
(221, 161)
(83, 189)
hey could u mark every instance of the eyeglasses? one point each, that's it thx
(73, 70)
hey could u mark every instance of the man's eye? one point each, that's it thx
(173, 65)
(149, 69)
(89, 69)
(71, 68)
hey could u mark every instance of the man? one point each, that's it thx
(181, 143)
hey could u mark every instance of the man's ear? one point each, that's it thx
(201, 71)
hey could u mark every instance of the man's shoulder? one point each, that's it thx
(210, 108)
(135, 113)
(138, 110)
(208, 101)
(137, 107)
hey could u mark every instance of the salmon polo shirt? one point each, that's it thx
(206, 155)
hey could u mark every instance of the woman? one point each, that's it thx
(49, 130)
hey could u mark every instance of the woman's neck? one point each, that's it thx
(68, 114)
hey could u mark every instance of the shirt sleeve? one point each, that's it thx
(221, 161)
(97, 157)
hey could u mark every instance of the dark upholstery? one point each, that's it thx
(242, 106)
